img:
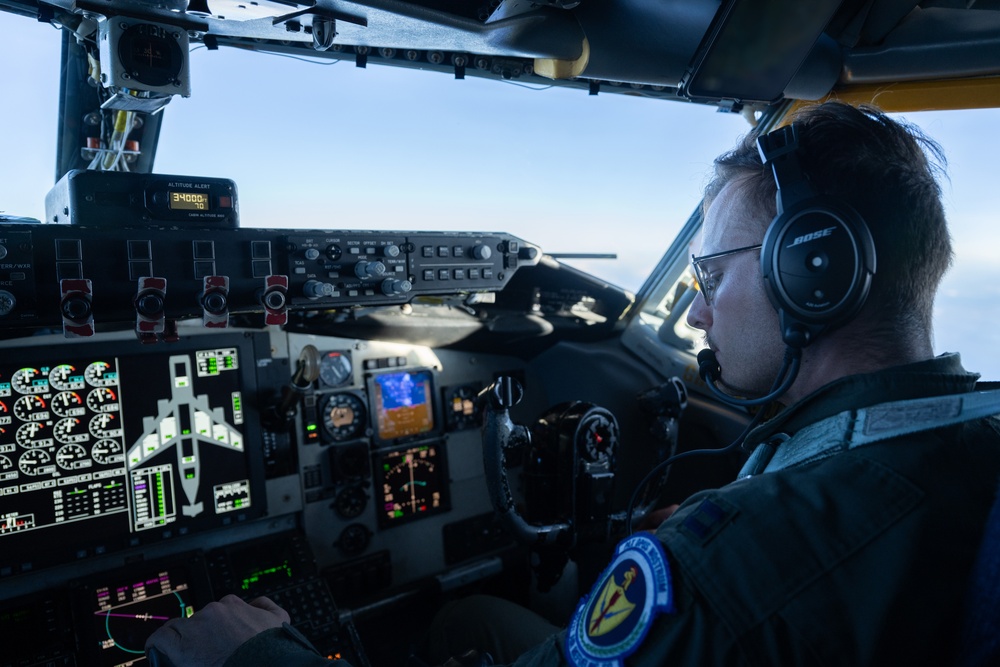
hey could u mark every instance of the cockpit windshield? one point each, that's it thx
(327, 144)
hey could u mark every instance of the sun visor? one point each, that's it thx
(757, 47)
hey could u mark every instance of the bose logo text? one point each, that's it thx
(812, 236)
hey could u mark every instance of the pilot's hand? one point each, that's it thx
(209, 637)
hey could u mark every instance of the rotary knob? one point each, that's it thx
(314, 289)
(482, 252)
(393, 287)
(391, 250)
(76, 308)
(367, 270)
(215, 302)
(149, 304)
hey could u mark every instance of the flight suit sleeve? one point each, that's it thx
(751, 570)
(280, 646)
(642, 610)
(690, 634)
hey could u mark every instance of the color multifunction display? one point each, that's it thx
(150, 443)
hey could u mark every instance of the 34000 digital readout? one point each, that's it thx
(188, 201)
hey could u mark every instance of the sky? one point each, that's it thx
(332, 145)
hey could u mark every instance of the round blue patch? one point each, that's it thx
(611, 623)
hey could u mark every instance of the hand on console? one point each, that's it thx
(213, 634)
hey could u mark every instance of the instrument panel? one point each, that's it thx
(90, 279)
(165, 460)
(158, 451)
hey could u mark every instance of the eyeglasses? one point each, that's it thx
(706, 281)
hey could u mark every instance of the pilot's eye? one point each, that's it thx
(711, 281)
(708, 281)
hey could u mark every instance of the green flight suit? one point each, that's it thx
(858, 559)
(861, 558)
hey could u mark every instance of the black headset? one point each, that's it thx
(818, 257)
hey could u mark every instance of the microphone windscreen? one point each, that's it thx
(708, 366)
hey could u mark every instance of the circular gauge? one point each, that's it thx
(463, 408)
(354, 539)
(150, 54)
(31, 409)
(335, 368)
(353, 461)
(344, 417)
(102, 399)
(68, 404)
(70, 429)
(65, 378)
(100, 374)
(107, 451)
(4, 412)
(72, 457)
(33, 434)
(35, 462)
(105, 425)
(5, 463)
(29, 381)
(350, 502)
(597, 437)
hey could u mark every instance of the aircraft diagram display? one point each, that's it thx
(185, 422)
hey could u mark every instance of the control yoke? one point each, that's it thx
(570, 460)
(500, 435)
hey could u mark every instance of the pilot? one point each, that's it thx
(849, 536)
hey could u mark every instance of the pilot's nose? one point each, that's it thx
(699, 314)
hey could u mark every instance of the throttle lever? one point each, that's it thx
(499, 435)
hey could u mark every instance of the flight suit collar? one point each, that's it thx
(932, 377)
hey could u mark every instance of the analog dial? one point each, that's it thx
(350, 502)
(100, 374)
(33, 434)
(71, 429)
(68, 404)
(29, 381)
(105, 425)
(108, 451)
(102, 399)
(150, 54)
(72, 457)
(344, 417)
(31, 409)
(35, 462)
(335, 368)
(66, 378)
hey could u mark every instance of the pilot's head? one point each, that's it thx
(883, 169)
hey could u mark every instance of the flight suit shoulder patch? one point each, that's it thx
(611, 623)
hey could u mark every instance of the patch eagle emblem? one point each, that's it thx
(610, 624)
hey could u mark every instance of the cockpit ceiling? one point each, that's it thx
(729, 53)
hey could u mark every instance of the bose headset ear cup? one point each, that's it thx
(818, 260)
(818, 256)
